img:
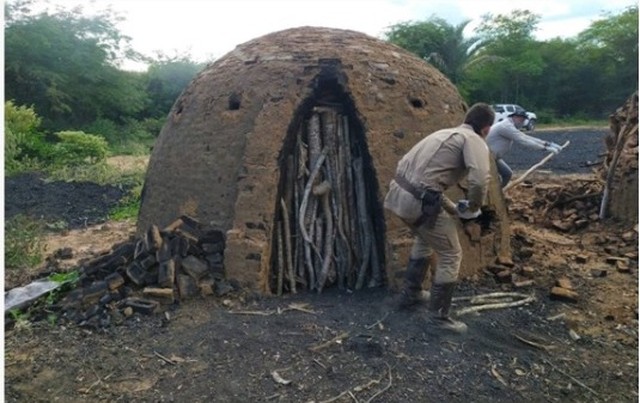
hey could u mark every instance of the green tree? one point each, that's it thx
(438, 42)
(66, 65)
(166, 78)
(611, 44)
(514, 64)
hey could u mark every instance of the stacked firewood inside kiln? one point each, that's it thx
(325, 233)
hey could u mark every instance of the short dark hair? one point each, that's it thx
(480, 115)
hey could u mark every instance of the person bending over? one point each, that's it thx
(415, 195)
(503, 134)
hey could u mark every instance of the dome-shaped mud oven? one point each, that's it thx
(287, 144)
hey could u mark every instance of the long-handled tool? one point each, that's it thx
(533, 168)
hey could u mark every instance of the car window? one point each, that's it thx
(499, 108)
(510, 108)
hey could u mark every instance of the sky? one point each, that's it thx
(208, 29)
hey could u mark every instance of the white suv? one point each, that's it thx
(504, 110)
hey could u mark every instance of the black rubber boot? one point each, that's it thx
(439, 307)
(412, 292)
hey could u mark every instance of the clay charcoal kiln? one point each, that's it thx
(287, 144)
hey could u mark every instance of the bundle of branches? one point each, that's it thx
(325, 233)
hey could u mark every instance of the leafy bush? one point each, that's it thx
(131, 138)
(78, 148)
(105, 128)
(20, 127)
(22, 242)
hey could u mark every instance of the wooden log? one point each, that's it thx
(305, 198)
(352, 212)
(279, 254)
(302, 217)
(299, 186)
(343, 256)
(314, 139)
(299, 249)
(363, 220)
(377, 277)
(324, 189)
(289, 251)
(318, 260)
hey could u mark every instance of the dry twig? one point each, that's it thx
(163, 358)
(533, 344)
(483, 298)
(297, 307)
(572, 378)
(362, 387)
(259, 313)
(326, 344)
(381, 391)
(376, 323)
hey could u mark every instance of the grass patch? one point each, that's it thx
(101, 173)
(135, 148)
(22, 242)
(129, 206)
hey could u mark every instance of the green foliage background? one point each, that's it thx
(587, 77)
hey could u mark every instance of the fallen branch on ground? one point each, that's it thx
(378, 393)
(478, 298)
(362, 387)
(533, 344)
(291, 307)
(259, 313)
(336, 339)
(371, 326)
(572, 378)
(163, 358)
(297, 307)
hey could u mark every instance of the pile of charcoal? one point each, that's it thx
(146, 274)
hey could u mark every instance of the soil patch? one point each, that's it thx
(78, 204)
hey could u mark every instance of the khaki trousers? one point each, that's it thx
(443, 240)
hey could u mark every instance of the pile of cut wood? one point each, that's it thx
(611, 193)
(181, 261)
(324, 231)
(620, 167)
(567, 208)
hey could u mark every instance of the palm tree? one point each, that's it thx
(439, 43)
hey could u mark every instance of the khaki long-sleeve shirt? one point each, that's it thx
(437, 162)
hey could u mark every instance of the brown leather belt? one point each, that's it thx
(430, 201)
(406, 185)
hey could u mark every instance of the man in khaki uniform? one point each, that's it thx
(434, 164)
